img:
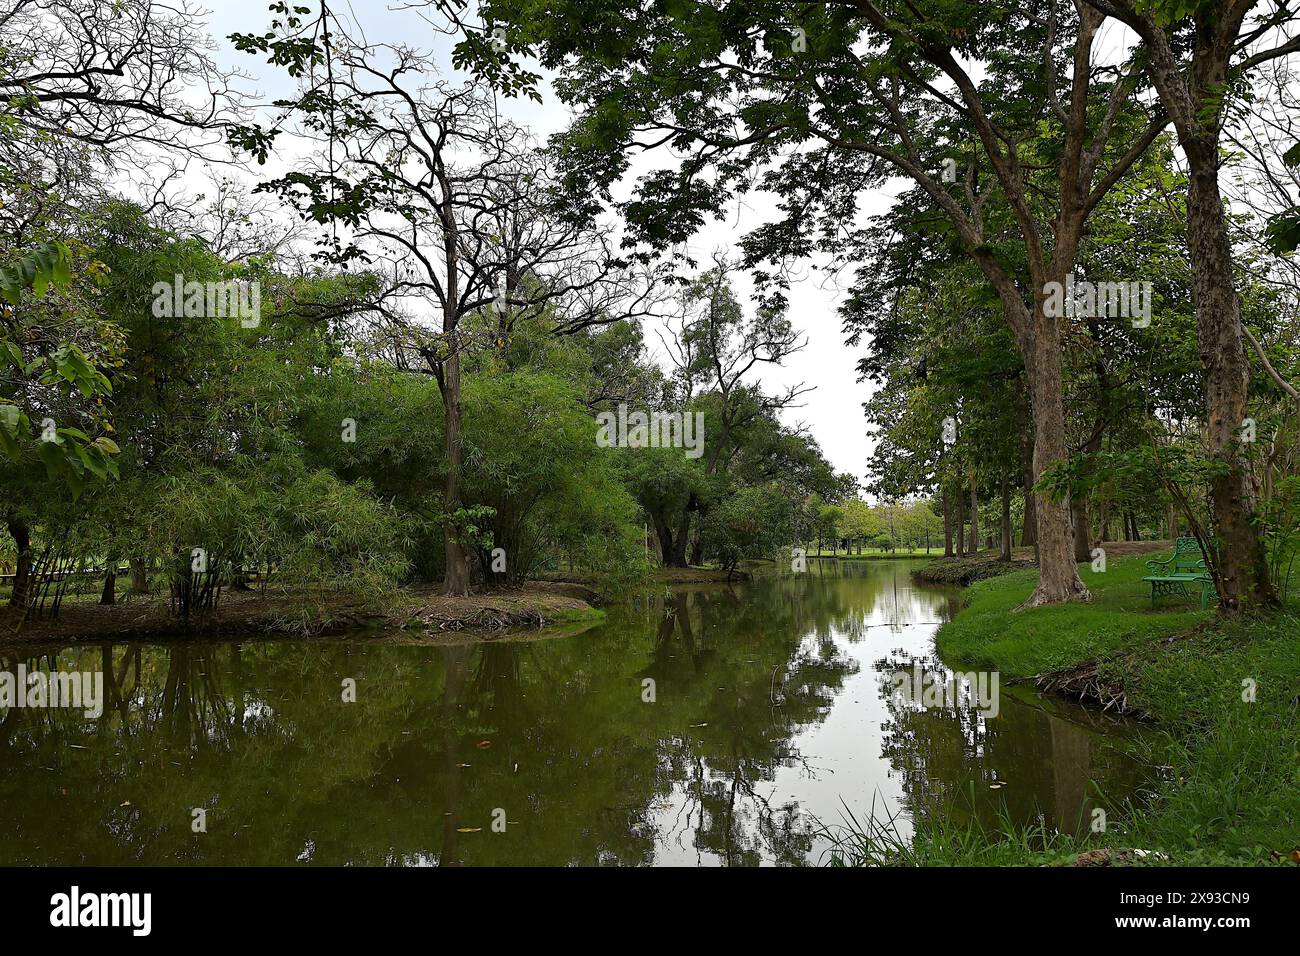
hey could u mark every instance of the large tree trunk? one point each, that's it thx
(1005, 554)
(23, 565)
(947, 523)
(456, 575)
(1243, 567)
(1058, 574)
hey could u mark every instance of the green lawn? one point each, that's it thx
(1230, 790)
(990, 633)
(874, 554)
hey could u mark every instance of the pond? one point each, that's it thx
(709, 726)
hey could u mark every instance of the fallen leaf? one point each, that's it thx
(468, 829)
(483, 744)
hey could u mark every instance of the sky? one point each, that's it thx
(832, 412)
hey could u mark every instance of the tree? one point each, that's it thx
(1195, 54)
(881, 91)
(429, 180)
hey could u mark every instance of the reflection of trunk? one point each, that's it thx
(1242, 565)
(1071, 775)
(947, 523)
(1005, 554)
(23, 565)
(448, 718)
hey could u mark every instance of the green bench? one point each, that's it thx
(1184, 567)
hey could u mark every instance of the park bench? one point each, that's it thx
(1184, 567)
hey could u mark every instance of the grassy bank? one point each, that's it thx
(535, 604)
(1229, 792)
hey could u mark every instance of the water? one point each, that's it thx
(772, 713)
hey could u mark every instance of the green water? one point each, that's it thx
(772, 712)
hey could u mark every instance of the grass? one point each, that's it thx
(1229, 791)
(990, 633)
(877, 841)
(876, 555)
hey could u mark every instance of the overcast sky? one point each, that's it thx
(832, 412)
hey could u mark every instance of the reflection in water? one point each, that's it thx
(772, 712)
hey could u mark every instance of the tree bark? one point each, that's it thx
(1058, 577)
(23, 563)
(139, 576)
(960, 531)
(1005, 554)
(1082, 529)
(109, 595)
(1029, 534)
(974, 515)
(947, 523)
(1242, 563)
(456, 572)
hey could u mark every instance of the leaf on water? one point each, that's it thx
(483, 744)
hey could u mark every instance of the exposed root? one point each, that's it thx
(1086, 685)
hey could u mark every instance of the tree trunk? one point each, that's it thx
(1242, 564)
(960, 531)
(1082, 529)
(1029, 534)
(1058, 574)
(697, 544)
(456, 573)
(947, 523)
(109, 594)
(23, 564)
(1005, 554)
(139, 576)
(974, 515)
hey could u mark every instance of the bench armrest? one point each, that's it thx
(1158, 565)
